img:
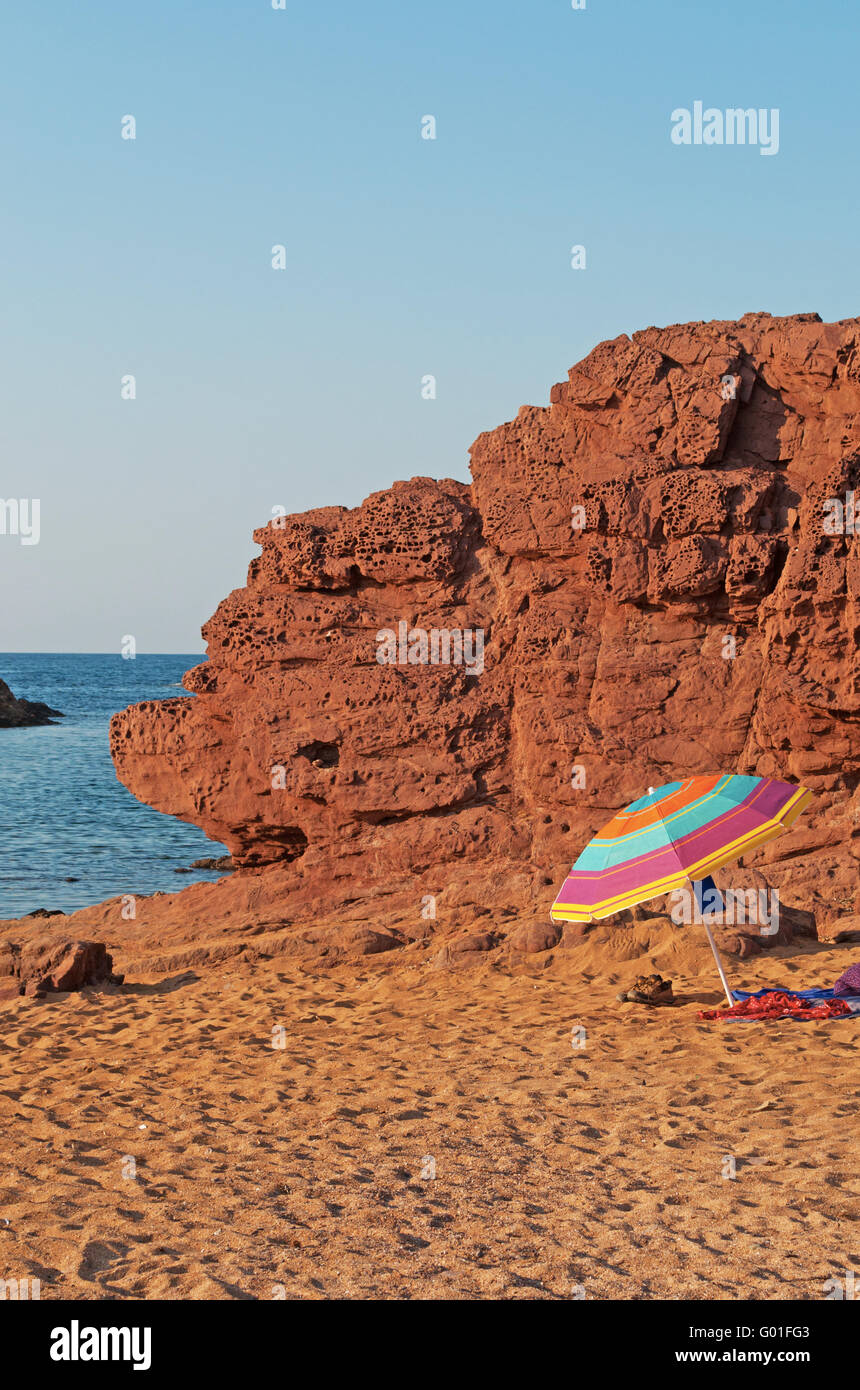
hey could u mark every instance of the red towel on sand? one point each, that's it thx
(776, 1004)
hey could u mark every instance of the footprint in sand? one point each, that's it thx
(99, 1256)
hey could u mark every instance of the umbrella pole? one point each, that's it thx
(700, 888)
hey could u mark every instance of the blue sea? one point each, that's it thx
(70, 833)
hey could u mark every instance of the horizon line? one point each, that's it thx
(99, 653)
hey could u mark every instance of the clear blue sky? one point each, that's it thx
(301, 387)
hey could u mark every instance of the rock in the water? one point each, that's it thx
(22, 714)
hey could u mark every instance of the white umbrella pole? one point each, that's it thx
(700, 887)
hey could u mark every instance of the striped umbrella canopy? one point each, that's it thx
(675, 835)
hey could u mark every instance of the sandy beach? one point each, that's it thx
(158, 1145)
(430, 678)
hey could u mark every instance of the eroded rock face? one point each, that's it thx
(694, 617)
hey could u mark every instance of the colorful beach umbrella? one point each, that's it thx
(673, 836)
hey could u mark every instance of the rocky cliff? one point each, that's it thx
(657, 572)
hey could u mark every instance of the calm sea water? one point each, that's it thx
(63, 814)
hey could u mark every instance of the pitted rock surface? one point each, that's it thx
(699, 620)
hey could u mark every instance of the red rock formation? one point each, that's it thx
(702, 456)
(48, 963)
